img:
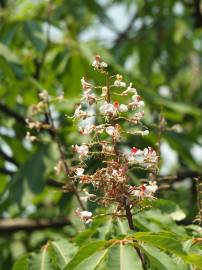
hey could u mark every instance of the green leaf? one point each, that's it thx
(164, 240)
(88, 233)
(62, 251)
(30, 175)
(194, 259)
(21, 264)
(8, 54)
(34, 34)
(164, 205)
(123, 257)
(41, 261)
(83, 253)
(93, 261)
(159, 260)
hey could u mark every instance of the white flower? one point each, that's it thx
(138, 116)
(89, 96)
(123, 108)
(103, 64)
(118, 83)
(137, 101)
(130, 89)
(87, 130)
(145, 132)
(136, 155)
(85, 84)
(136, 193)
(85, 216)
(98, 64)
(110, 130)
(82, 150)
(30, 137)
(79, 172)
(113, 131)
(80, 114)
(107, 108)
(151, 188)
(43, 95)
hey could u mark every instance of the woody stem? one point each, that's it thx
(62, 156)
(132, 227)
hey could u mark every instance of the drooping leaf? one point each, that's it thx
(164, 240)
(62, 251)
(84, 253)
(41, 261)
(158, 259)
(92, 262)
(123, 257)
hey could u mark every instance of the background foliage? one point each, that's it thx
(157, 45)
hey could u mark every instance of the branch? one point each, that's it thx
(197, 13)
(124, 34)
(12, 113)
(180, 176)
(8, 158)
(13, 225)
(6, 171)
(55, 183)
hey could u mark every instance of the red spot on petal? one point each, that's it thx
(116, 104)
(139, 98)
(143, 188)
(134, 150)
(117, 126)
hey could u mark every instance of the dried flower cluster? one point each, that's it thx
(103, 138)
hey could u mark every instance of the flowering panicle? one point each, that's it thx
(103, 139)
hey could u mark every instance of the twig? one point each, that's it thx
(124, 34)
(6, 171)
(12, 113)
(8, 158)
(13, 225)
(132, 227)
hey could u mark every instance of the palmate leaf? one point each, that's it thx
(169, 242)
(160, 260)
(61, 252)
(41, 261)
(88, 233)
(85, 253)
(93, 261)
(164, 240)
(123, 257)
(111, 255)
